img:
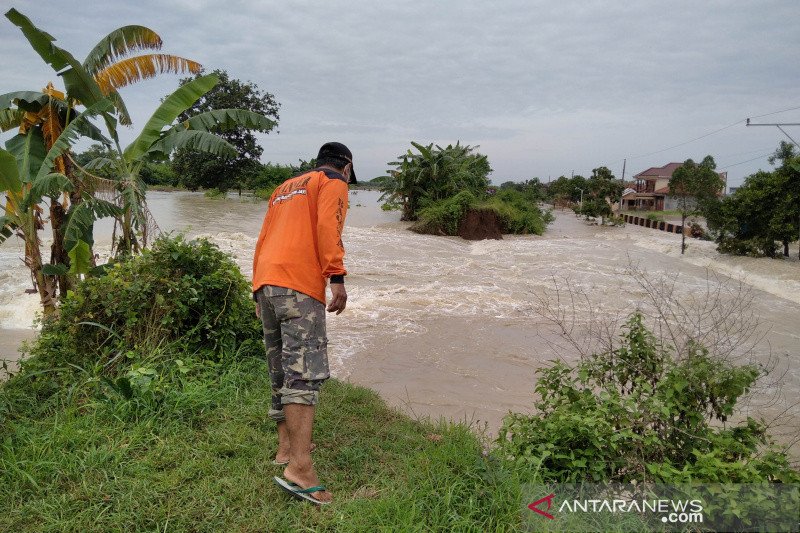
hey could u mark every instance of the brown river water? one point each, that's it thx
(441, 326)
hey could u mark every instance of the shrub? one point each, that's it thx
(443, 217)
(655, 217)
(159, 174)
(177, 309)
(265, 194)
(638, 413)
(178, 290)
(755, 247)
(270, 176)
(518, 212)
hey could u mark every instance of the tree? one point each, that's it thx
(157, 143)
(42, 117)
(531, 189)
(602, 188)
(566, 189)
(694, 185)
(209, 171)
(764, 210)
(433, 174)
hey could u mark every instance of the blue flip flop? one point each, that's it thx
(299, 492)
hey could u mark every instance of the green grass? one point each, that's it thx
(101, 467)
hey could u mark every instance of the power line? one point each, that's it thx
(690, 141)
(749, 160)
(738, 154)
(776, 112)
(706, 135)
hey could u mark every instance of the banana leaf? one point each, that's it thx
(29, 151)
(169, 110)
(120, 42)
(225, 119)
(200, 141)
(7, 227)
(78, 82)
(69, 135)
(9, 173)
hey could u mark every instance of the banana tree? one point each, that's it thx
(109, 66)
(42, 117)
(28, 175)
(159, 138)
(433, 174)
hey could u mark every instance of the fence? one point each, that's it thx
(660, 225)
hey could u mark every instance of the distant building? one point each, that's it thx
(650, 189)
(732, 190)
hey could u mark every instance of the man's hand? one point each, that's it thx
(339, 298)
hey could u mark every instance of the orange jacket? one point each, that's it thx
(300, 244)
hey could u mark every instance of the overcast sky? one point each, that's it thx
(545, 88)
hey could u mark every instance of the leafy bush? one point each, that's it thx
(655, 217)
(266, 193)
(176, 310)
(214, 193)
(638, 413)
(270, 176)
(443, 217)
(178, 290)
(755, 247)
(159, 174)
(518, 212)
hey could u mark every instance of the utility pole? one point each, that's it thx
(624, 162)
(779, 127)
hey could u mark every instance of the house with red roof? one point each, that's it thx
(650, 189)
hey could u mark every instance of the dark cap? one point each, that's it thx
(334, 150)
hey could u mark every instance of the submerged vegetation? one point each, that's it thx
(441, 187)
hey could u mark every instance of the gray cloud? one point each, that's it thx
(545, 88)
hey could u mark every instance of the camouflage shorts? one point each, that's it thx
(297, 348)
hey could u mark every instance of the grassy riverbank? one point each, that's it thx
(143, 406)
(94, 467)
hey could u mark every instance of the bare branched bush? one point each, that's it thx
(719, 314)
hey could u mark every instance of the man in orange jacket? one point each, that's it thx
(298, 251)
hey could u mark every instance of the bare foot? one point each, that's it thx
(306, 479)
(283, 452)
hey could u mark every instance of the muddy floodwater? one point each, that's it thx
(445, 327)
